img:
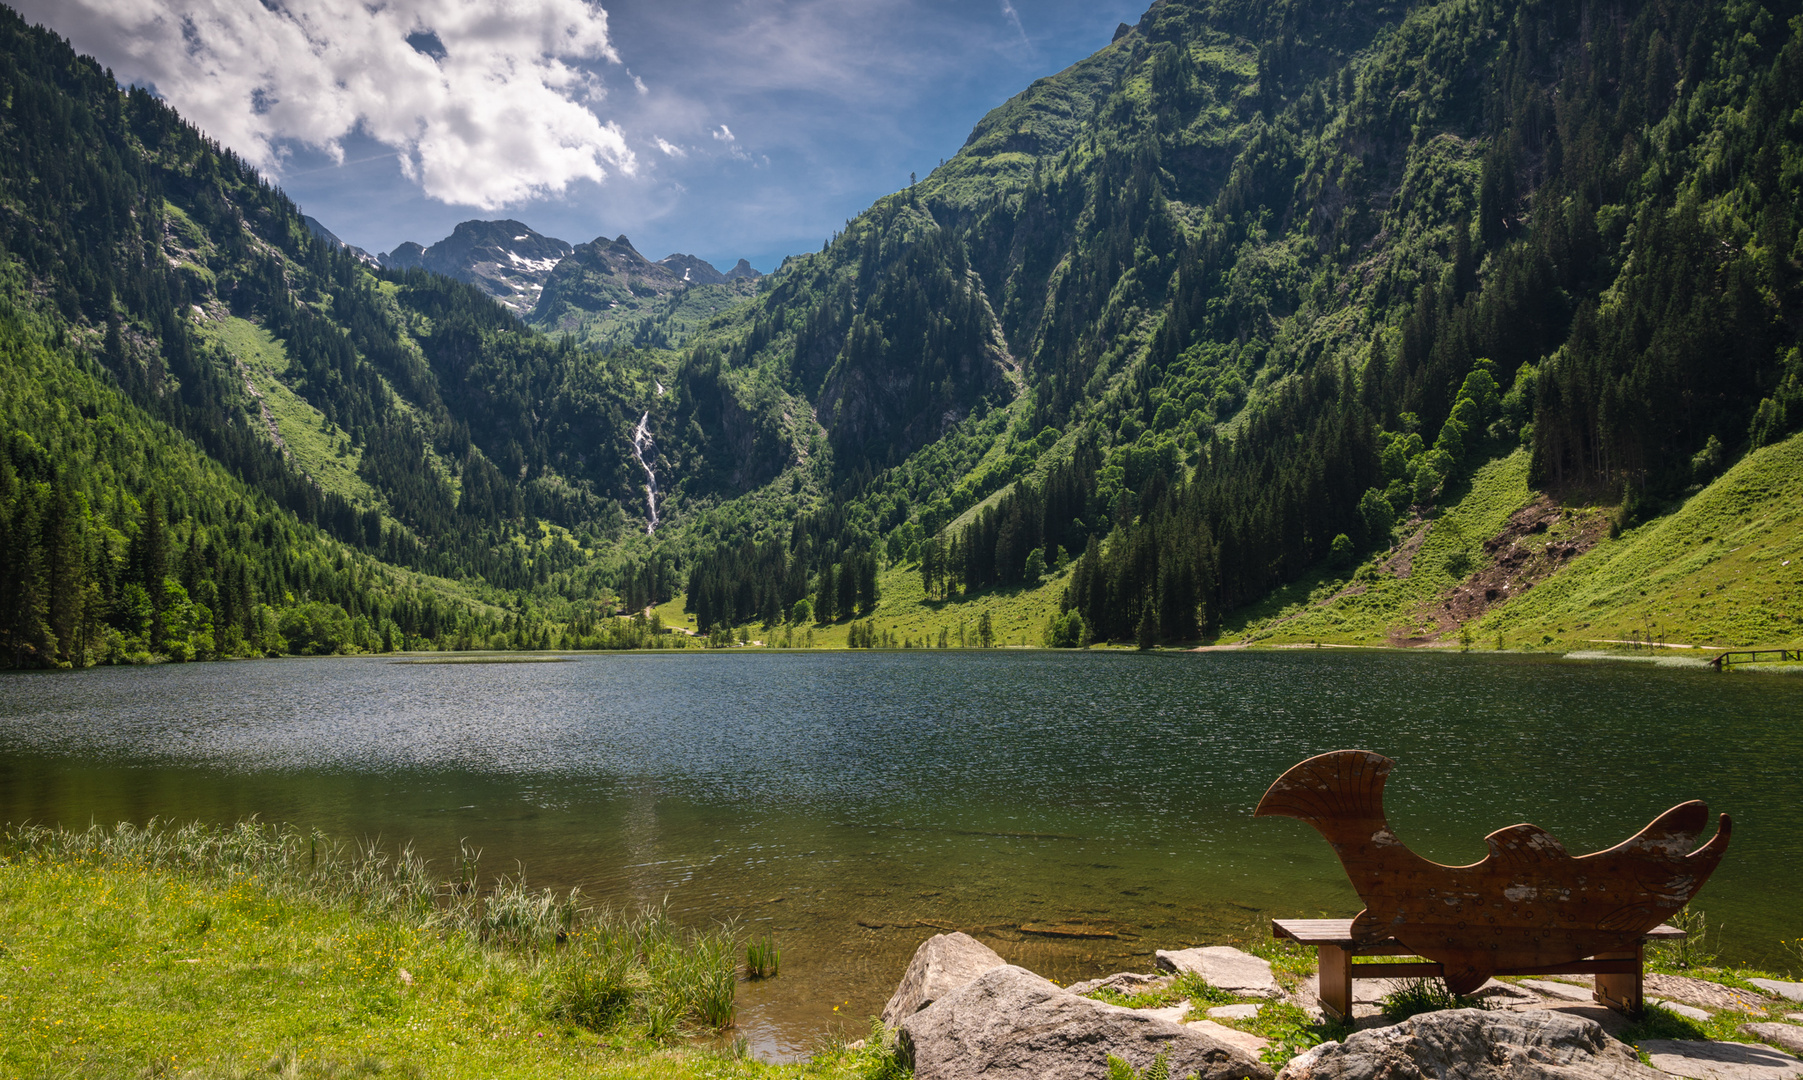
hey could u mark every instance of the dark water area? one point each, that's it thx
(856, 803)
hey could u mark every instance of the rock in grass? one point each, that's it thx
(1780, 988)
(1720, 1061)
(1009, 1022)
(1474, 1044)
(943, 963)
(1224, 968)
(1686, 1011)
(1789, 1036)
(1702, 992)
(1127, 982)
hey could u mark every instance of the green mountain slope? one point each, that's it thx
(1726, 568)
(1244, 295)
(1280, 269)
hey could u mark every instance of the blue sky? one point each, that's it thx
(719, 128)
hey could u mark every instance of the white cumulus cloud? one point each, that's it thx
(669, 148)
(494, 105)
(724, 134)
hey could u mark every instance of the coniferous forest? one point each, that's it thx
(1232, 298)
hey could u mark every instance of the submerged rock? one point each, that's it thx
(1475, 1044)
(1009, 1022)
(943, 963)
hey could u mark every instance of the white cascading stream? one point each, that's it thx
(641, 441)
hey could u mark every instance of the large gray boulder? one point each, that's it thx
(1474, 1044)
(1009, 1022)
(1224, 968)
(943, 963)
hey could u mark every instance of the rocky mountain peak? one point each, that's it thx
(506, 259)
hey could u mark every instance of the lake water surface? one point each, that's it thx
(855, 803)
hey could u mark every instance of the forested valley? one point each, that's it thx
(1240, 295)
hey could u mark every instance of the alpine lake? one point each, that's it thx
(1074, 811)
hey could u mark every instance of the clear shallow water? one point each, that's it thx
(857, 803)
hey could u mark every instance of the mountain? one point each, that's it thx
(692, 270)
(607, 295)
(505, 259)
(1236, 305)
(328, 236)
(1266, 282)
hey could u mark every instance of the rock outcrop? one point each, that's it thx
(1474, 1044)
(942, 964)
(1009, 1022)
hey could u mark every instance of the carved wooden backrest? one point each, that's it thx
(1527, 903)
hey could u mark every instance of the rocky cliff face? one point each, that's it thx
(692, 270)
(505, 259)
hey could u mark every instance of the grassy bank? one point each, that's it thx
(229, 953)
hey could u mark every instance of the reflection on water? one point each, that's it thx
(856, 803)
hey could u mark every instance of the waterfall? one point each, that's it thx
(641, 441)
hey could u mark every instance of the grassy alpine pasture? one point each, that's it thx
(248, 951)
(1725, 568)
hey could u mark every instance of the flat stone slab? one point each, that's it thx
(1173, 1013)
(1223, 967)
(1244, 1040)
(1127, 982)
(1780, 988)
(1243, 1011)
(1688, 1012)
(1503, 994)
(1701, 992)
(1789, 1036)
(1720, 1061)
(1560, 990)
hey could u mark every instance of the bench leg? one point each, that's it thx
(1623, 993)
(1333, 973)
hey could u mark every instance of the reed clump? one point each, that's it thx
(763, 959)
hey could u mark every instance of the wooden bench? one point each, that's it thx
(1618, 974)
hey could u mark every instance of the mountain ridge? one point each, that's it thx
(1210, 310)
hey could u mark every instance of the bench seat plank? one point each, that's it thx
(1339, 932)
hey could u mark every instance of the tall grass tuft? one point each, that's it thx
(763, 960)
(644, 971)
(599, 969)
(1418, 996)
